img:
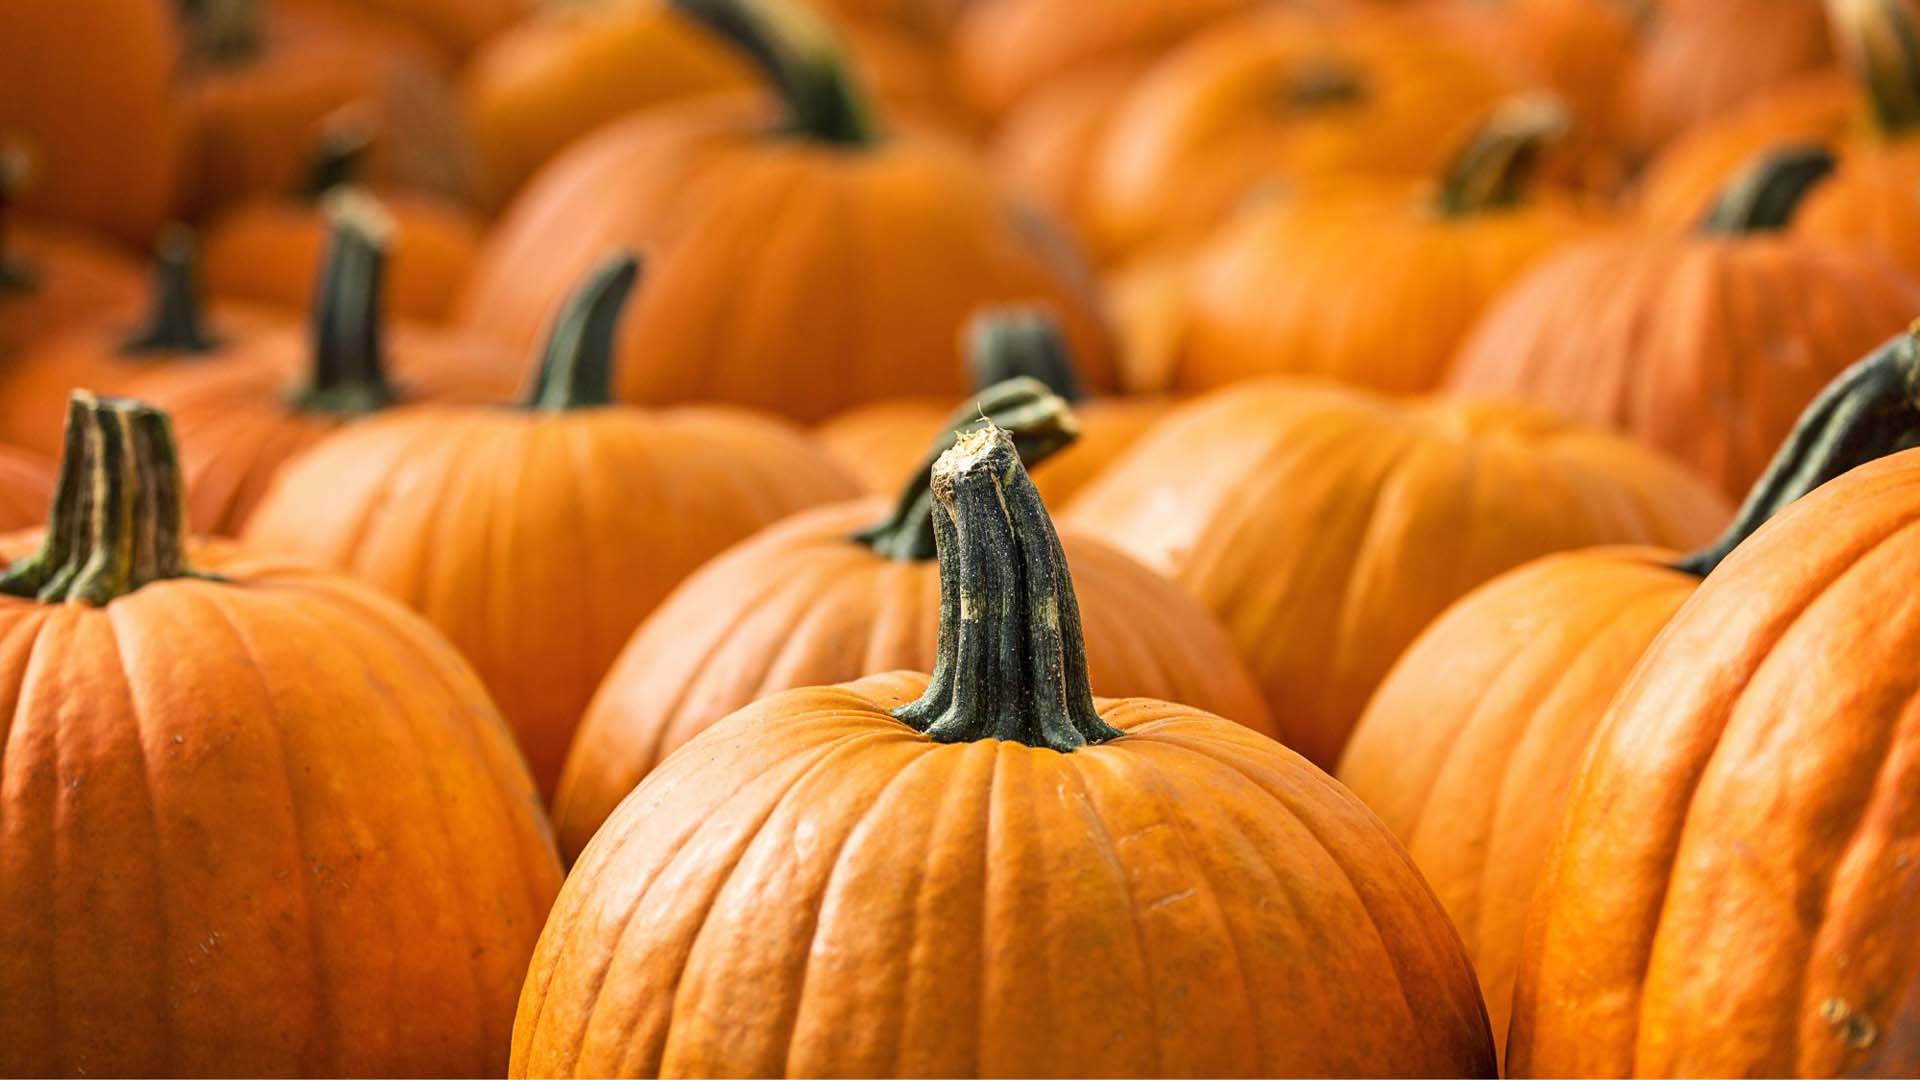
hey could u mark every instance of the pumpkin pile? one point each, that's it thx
(629, 538)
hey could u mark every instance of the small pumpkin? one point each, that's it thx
(1325, 526)
(1690, 343)
(260, 819)
(850, 590)
(842, 265)
(991, 872)
(538, 538)
(1704, 58)
(51, 279)
(1469, 748)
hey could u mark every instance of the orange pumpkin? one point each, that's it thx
(282, 392)
(831, 596)
(992, 872)
(1690, 343)
(51, 279)
(1045, 149)
(1325, 526)
(260, 819)
(841, 266)
(1704, 58)
(605, 509)
(1468, 749)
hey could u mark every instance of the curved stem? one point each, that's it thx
(118, 521)
(1012, 662)
(349, 375)
(799, 53)
(1496, 167)
(1767, 192)
(16, 165)
(1881, 46)
(1039, 422)
(576, 370)
(1007, 343)
(174, 322)
(1870, 411)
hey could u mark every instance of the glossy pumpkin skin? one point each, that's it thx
(70, 279)
(1753, 913)
(26, 485)
(1703, 59)
(1325, 527)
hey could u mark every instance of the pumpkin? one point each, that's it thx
(880, 443)
(604, 509)
(264, 80)
(850, 590)
(1274, 291)
(53, 278)
(85, 93)
(842, 266)
(26, 488)
(991, 872)
(1703, 58)
(1325, 526)
(281, 392)
(457, 27)
(1468, 749)
(1690, 343)
(260, 820)
(1733, 888)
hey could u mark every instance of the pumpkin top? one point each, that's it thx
(1880, 44)
(117, 521)
(1008, 343)
(1012, 662)
(1038, 421)
(576, 369)
(1497, 165)
(348, 374)
(799, 54)
(175, 323)
(1765, 195)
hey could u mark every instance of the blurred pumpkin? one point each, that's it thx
(53, 278)
(260, 819)
(1325, 526)
(992, 872)
(830, 596)
(1469, 748)
(1046, 147)
(603, 509)
(26, 488)
(1702, 59)
(837, 267)
(1705, 345)
(457, 27)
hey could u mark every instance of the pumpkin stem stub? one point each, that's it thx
(799, 52)
(1495, 168)
(1012, 662)
(576, 369)
(174, 322)
(1040, 424)
(339, 157)
(348, 375)
(118, 519)
(1881, 45)
(1766, 194)
(16, 167)
(1007, 343)
(222, 33)
(1323, 83)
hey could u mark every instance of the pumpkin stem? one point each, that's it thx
(1881, 46)
(1006, 343)
(339, 157)
(349, 369)
(1036, 418)
(118, 518)
(1321, 83)
(16, 167)
(576, 371)
(800, 54)
(1767, 192)
(1871, 410)
(222, 33)
(1496, 167)
(1012, 663)
(174, 322)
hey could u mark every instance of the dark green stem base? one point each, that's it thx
(1765, 196)
(174, 322)
(576, 370)
(349, 374)
(799, 54)
(1497, 166)
(1010, 343)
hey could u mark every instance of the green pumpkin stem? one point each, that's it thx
(174, 322)
(222, 33)
(349, 375)
(1767, 192)
(1881, 46)
(1007, 343)
(16, 166)
(1870, 411)
(576, 370)
(1040, 424)
(1323, 83)
(1496, 168)
(800, 55)
(1012, 662)
(118, 521)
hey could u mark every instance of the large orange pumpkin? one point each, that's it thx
(259, 819)
(801, 270)
(990, 872)
(1468, 749)
(51, 279)
(603, 508)
(1325, 526)
(831, 596)
(1705, 345)
(1704, 58)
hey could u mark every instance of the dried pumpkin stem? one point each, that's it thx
(338, 159)
(118, 520)
(1012, 662)
(1497, 166)
(174, 323)
(1039, 422)
(1881, 45)
(1008, 343)
(801, 55)
(349, 375)
(1767, 192)
(576, 370)
(1870, 411)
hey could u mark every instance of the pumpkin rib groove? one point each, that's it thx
(1348, 637)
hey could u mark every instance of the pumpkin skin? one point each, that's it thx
(51, 279)
(1702, 59)
(1325, 527)
(785, 887)
(1046, 147)
(262, 824)
(26, 486)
